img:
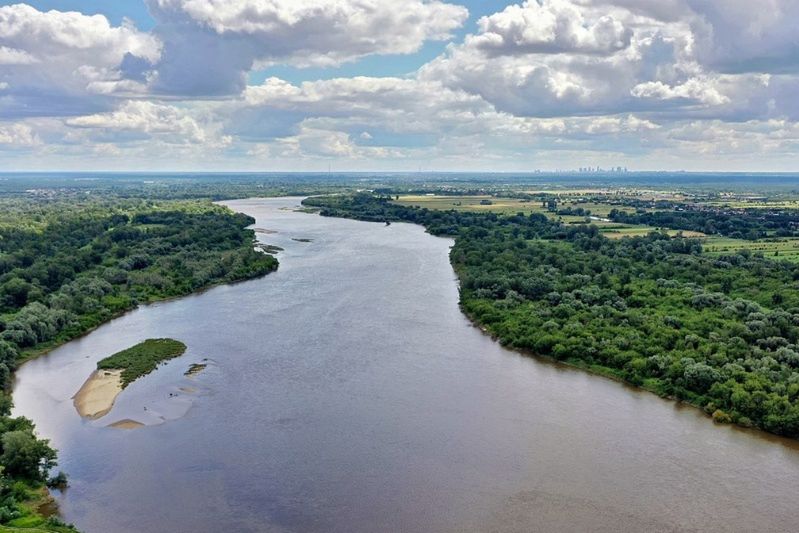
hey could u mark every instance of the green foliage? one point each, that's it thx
(25, 456)
(58, 481)
(143, 358)
(748, 224)
(652, 310)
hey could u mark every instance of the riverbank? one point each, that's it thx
(612, 374)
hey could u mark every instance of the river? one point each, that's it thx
(347, 393)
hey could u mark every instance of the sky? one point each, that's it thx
(399, 85)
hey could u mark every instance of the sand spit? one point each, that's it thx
(96, 397)
(126, 424)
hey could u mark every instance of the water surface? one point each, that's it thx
(347, 392)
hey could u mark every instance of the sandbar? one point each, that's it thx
(96, 397)
(126, 424)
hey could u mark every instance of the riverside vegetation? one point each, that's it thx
(71, 261)
(720, 332)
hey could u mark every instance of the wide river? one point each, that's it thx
(347, 393)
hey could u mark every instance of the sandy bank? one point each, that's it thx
(96, 397)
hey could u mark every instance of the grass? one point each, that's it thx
(499, 205)
(785, 249)
(143, 358)
(33, 519)
(472, 204)
(755, 204)
(35, 524)
(619, 231)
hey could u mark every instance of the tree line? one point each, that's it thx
(750, 224)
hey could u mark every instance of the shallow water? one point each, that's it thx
(347, 392)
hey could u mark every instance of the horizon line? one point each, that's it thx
(608, 172)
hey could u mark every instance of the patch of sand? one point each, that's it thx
(126, 424)
(96, 397)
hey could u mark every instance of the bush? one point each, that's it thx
(58, 481)
(720, 417)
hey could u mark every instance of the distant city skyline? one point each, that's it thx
(368, 85)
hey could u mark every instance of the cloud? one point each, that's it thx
(394, 117)
(53, 61)
(694, 89)
(228, 38)
(17, 135)
(394, 110)
(544, 82)
(561, 57)
(737, 36)
(551, 26)
(551, 58)
(319, 143)
(145, 118)
(12, 56)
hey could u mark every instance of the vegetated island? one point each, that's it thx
(97, 396)
(720, 332)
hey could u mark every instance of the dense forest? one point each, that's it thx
(721, 333)
(70, 262)
(750, 224)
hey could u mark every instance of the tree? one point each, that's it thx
(8, 353)
(16, 292)
(26, 456)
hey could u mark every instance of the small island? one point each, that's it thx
(96, 397)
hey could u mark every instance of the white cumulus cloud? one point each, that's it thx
(551, 26)
(18, 135)
(230, 37)
(164, 121)
(51, 59)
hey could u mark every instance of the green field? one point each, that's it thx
(786, 249)
(472, 204)
(619, 231)
(503, 205)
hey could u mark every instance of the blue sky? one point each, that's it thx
(372, 85)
